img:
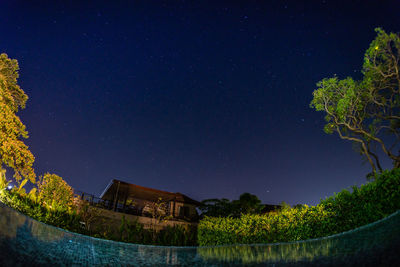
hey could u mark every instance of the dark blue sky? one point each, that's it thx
(203, 98)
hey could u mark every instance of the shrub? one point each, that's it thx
(287, 225)
(54, 192)
(370, 202)
(131, 231)
(66, 219)
(341, 212)
(177, 235)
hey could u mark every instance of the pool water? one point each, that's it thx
(27, 242)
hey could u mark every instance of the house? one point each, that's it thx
(143, 201)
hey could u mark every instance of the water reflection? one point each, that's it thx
(269, 253)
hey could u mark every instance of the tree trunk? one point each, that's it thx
(369, 158)
(396, 164)
(376, 159)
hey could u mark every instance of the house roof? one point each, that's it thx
(124, 189)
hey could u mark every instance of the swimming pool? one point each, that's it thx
(27, 242)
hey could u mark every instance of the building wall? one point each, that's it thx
(146, 206)
(179, 205)
(114, 219)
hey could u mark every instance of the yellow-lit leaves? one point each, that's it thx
(342, 212)
(13, 152)
(10, 92)
(54, 192)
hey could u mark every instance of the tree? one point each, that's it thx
(158, 210)
(54, 192)
(3, 180)
(247, 203)
(216, 207)
(87, 213)
(13, 152)
(366, 112)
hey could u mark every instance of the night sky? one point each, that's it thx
(207, 98)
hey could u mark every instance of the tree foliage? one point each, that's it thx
(246, 204)
(366, 112)
(216, 207)
(3, 180)
(13, 152)
(54, 192)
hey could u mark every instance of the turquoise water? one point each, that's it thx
(27, 242)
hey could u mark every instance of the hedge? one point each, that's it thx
(341, 212)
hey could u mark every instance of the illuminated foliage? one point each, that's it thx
(367, 112)
(342, 212)
(216, 207)
(3, 181)
(54, 192)
(13, 152)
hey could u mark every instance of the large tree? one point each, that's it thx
(13, 152)
(216, 207)
(247, 203)
(366, 111)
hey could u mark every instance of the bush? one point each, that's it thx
(370, 202)
(134, 232)
(131, 231)
(287, 225)
(177, 235)
(54, 192)
(344, 211)
(66, 219)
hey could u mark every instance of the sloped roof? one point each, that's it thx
(141, 192)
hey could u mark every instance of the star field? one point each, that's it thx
(203, 98)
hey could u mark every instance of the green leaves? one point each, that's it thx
(21, 186)
(54, 192)
(329, 128)
(247, 203)
(338, 98)
(362, 111)
(27, 205)
(3, 180)
(13, 152)
(381, 54)
(287, 225)
(344, 211)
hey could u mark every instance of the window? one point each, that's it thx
(184, 211)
